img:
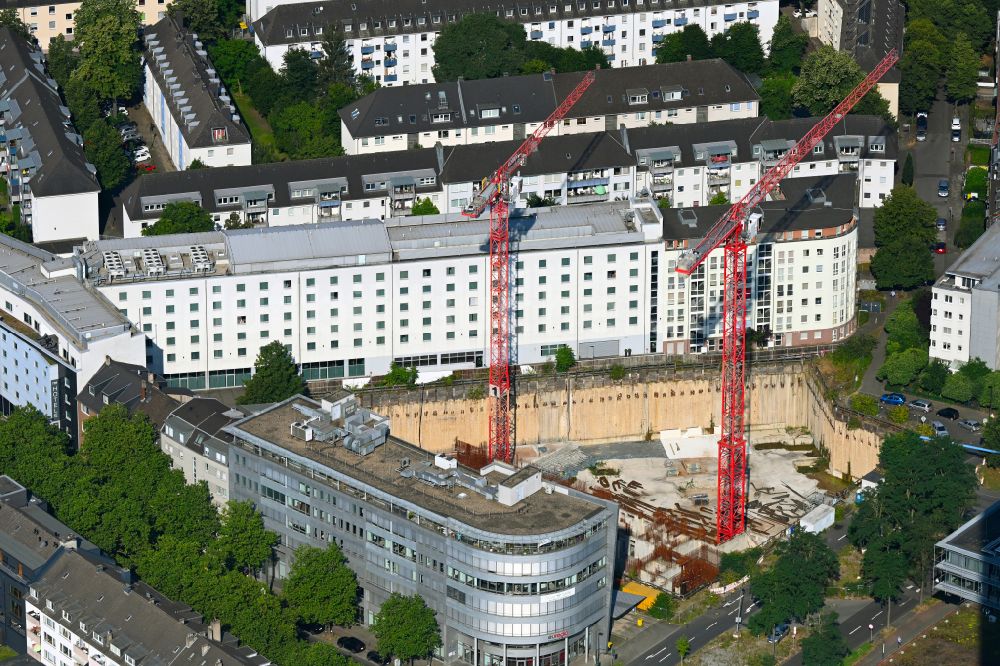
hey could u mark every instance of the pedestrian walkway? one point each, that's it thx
(869, 383)
(914, 626)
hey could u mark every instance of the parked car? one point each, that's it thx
(778, 633)
(921, 406)
(956, 135)
(126, 125)
(944, 188)
(131, 136)
(956, 123)
(142, 154)
(942, 224)
(893, 399)
(146, 166)
(351, 644)
(948, 413)
(971, 425)
(940, 248)
(921, 125)
(376, 658)
(939, 429)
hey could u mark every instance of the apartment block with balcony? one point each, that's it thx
(57, 17)
(511, 108)
(48, 175)
(394, 44)
(352, 297)
(83, 609)
(967, 561)
(192, 110)
(517, 569)
(965, 306)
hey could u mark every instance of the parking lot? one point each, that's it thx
(151, 138)
(951, 417)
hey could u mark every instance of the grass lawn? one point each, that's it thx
(858, 654)
(965, 638)
(978, 154)
(260, 129)
(975, 181)
(849, 584)
(991, 478)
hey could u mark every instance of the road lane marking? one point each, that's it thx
(665, 658)
(732, 611)
(901, 603)
(910, 586)
(841, 538)
(855, 629)
(656, 653)
(877, 614)
(710, 626)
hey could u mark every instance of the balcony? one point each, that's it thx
(607, 42)
(329, 211)
(586, 30)
(729, 17)
(661, 166)
(586, 44)
(367, 50)
(662, 184)
(660, 23)
(718, 177)
(658, 38)
(389, 62)
(680, 21)
(390, 78)
(718, 160)
(753, 13)
(368, 64)
(390, 47)
(587, 179)
(608, 28)
(586, 195)
(536, 34)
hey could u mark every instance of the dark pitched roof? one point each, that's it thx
(201, 418)
(804, 206)
(532, 97)
(176, 59)
(272, 28)
(202, 183)
(142, 622)
(34, 116)
(870, 41)
(124, 384)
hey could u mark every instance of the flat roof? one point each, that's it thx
(540, 513)
(981, 534)
(982, 260)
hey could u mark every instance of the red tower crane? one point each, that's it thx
(495, 194)
(734, 231)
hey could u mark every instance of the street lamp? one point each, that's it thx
(871, 632)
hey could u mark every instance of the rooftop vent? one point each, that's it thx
(113, 264)
(200, 261)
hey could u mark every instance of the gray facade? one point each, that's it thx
(520, 572)
(967, 561)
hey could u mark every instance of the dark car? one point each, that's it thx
(940, 248)
(351, 644)
(944, 188)
(956, 135)
(778, 633)
(921, 125)
(948, 413)
(893, 399)
(376, 658)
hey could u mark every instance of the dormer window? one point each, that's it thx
(876, 147)
(489, 113)
(440, 117)
(638, 98)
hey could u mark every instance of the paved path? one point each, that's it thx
(914, 626)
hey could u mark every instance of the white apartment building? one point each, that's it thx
(965, 306)
(688, 164)
(349, 298)
(54, 328)
(193, 438)
(192, 111)
(57, 17)
(394, 44)
(83, 609)
(511, 108)
(43, 161)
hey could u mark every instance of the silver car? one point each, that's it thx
(921, 406)
(939, 429)
(971, 425)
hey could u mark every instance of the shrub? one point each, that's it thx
(907, 175)
(476, 393)
(565, 359)
(972, 223)
(617, 372)
(400, 376)
(864, 404)
(899, 414)
(664, 606)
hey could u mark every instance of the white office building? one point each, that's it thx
(965, 306)
(511, 108)
(192, 111)
(349, 298)
(394, 43)
(687, 164)
(53, 328)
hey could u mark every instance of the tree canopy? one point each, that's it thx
(787, 47)
(826, 77)
(103, 146)
(691, 40)
(275, 377)
(243, 543)
(904, 230)
(825, 645)
(962, 70)
(406, 628)
(181, 217)
(321, 588)
(424, 207)
(740, 47)
(107, 35)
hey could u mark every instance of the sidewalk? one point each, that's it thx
(869, 384)
(913, 627)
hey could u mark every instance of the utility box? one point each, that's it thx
(818, 519)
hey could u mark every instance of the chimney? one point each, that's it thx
(215, 630)
(107, 361)
(189, 641)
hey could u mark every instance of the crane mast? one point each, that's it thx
(734, 231)
(494, 193)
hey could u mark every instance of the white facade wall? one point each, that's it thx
(63, 217)
(628, 39)
(181, 154)
(831, 20)
(951, 324)
(197, 467)
(55, 644)
(29, 376)
(595, 299)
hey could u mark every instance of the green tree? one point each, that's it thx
(902, 264)
(683, 647)
(690, 41)
(399, 375)
(202, 17)
(904, 213)
(10, 19)
(301, 74)
(952, 17)
(406, 628)
(901, 368)
(479, 46)
(61, 59)
(298, 130)
(275, 377)
(236, 60)
(776, 96)
(740, 46)
(959, 388)
(962, 71)
(243, 544)
(719, 199)
(899, 414)
(884, 567)
(827, 76)
(825, 645)
(82, 102)
(103, 146)
(196, 164)
(991, 437)
(907, 175)
(335, 66)
(535, 201)
(181, 217)
(787, 47)
(865, 404)
(663, 607)
(565, 359)
(921, 65)
(904, 330)
(321, 588)
(106, 34)
(934, 376)
(989, 390)
(424, 207)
